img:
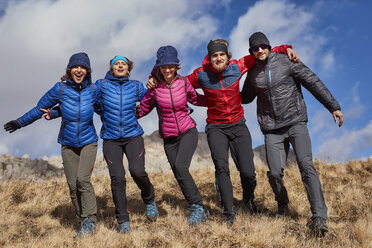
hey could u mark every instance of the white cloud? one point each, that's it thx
(355, 108)
(328, 63)
(284, 23)
(39, 36)
(340, 147)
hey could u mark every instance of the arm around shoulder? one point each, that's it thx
(248, 92)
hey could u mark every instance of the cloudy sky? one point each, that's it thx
(331, 37)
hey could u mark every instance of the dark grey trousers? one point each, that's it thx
(277, 146)
(78, 163)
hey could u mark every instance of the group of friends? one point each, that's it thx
(275, 78)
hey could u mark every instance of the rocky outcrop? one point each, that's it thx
(24, 168)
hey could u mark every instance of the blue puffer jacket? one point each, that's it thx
(118, 97)
(76, 105)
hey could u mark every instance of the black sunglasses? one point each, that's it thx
(256, 48)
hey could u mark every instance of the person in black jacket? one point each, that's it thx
(282, 115)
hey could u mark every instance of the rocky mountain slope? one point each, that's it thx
(24, 168)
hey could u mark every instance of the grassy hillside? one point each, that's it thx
(39, 213)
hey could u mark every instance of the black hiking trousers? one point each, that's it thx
(134, 150)
(179, 151)
(236, 137)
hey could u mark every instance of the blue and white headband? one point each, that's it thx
(118, 58)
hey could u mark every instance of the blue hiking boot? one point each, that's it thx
(124, 227)
(151, 211)
(198, 214)
(87, 227)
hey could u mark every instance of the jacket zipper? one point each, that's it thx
(174, 110)
(121, 105)
(78, 131)
(271, 98)
(224, 97)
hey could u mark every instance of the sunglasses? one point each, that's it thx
(256, 48)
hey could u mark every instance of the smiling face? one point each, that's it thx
(120, 69)
(219, 61)
(168, 72)
(260, 52)
(78, 73)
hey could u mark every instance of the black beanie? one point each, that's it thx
(258, 38)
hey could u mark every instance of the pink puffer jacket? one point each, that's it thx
(171, 103)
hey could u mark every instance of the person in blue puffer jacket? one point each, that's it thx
(121, 133)
(76, 96)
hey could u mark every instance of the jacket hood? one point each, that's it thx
(87, 81)
(111, 77)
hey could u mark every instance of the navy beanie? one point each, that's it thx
(79, 59)
(258, 38)
(167, 55)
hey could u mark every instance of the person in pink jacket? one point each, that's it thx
(176, 127)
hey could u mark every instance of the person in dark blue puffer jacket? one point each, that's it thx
(121, 133)
(76, 97)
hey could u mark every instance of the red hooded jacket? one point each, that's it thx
(222, 90)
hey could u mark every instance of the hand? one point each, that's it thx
(11, 126)
(337, 114)
(152, 83)
(46, 114)
(292, 55)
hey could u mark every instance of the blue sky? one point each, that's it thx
(331, 37)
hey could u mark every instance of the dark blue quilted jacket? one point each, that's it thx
(76, 104)
(118, 97)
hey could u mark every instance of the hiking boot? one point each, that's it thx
(198, 214)
(230, 218)
(124, 227)
(87, 227)
(282, 210)
(151, 211)
(318, 226)
(252, 207)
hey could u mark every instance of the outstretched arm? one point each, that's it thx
(47, 101)
(303, 75)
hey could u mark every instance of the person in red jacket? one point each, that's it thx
(219, 78)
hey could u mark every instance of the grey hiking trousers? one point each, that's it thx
(78, 163)
(277, 147)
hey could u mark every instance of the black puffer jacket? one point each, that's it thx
(277, 85)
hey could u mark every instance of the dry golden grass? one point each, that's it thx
(40, 214)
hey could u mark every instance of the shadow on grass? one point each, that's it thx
(66, 215)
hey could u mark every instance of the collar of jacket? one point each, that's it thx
(260, 63)
(111, 77)
(170, 85)
(78, 87)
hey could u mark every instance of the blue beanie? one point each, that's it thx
(79, 59)
(167, 55)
